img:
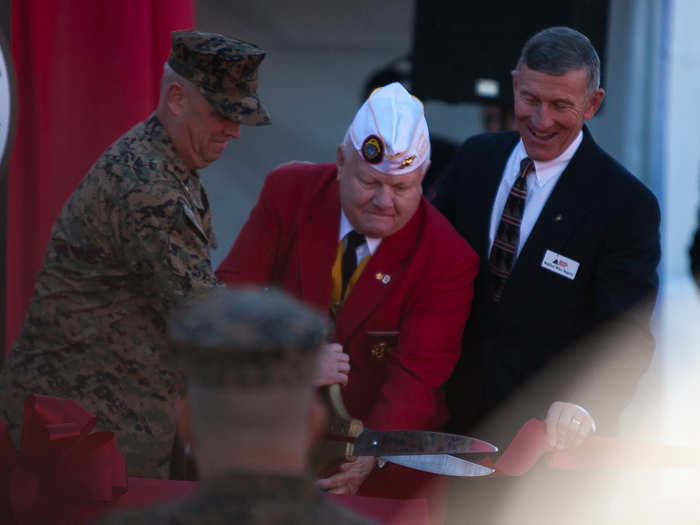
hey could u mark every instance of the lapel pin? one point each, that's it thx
(558, 217)
(384, 278)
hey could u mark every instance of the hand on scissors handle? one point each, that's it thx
(333, 366)
(350, 477)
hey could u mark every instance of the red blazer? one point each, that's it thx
(290, 240)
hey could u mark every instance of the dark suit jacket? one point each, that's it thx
(598, 215)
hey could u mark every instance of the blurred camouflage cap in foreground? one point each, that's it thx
(247, 337)
(225, 70)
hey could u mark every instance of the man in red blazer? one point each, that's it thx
(401, 317)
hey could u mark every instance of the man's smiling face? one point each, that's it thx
(550, 109)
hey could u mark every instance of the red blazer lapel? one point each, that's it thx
(380, 277)
(318, 242)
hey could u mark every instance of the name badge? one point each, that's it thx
(559, 264)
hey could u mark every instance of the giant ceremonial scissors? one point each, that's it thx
(347, 438)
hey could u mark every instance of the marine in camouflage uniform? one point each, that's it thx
(233, 344)
(131, 241)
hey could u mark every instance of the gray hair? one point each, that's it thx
(558, 50)
(170, 75)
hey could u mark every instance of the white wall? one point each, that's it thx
(682, 162)
(681, 304)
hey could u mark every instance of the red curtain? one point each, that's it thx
(86, 72)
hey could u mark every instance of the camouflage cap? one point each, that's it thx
(225, 70)
(247, 337)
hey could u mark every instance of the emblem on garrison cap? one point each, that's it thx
(373, 149)
(408, 161)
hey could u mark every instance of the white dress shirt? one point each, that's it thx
(366, 248)
(539, 187)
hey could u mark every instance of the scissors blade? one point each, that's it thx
(441, 464)
(412, 442)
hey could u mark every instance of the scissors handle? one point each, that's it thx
(326, 455)
(340, 422)
(341, 430)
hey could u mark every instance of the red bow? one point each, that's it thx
(62, 474)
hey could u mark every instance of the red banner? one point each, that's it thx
(86, 72)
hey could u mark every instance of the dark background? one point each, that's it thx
(493, 32)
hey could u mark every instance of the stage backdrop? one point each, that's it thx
(86, 72)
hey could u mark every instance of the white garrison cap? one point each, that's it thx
(389, 131)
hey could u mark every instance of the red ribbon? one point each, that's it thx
(63, 474)
(526, 449)
(595, 453)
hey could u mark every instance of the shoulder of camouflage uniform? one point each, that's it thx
(130, 166)
(143, 150)
(128, 187)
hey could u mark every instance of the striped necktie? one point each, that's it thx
(505, 245)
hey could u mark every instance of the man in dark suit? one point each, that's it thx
(569, 244)
(399, 316)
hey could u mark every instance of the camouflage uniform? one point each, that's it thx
(246, 499)
(252, 340)
(130, 242)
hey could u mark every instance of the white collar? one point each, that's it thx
(545, 170)
(345, 227)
